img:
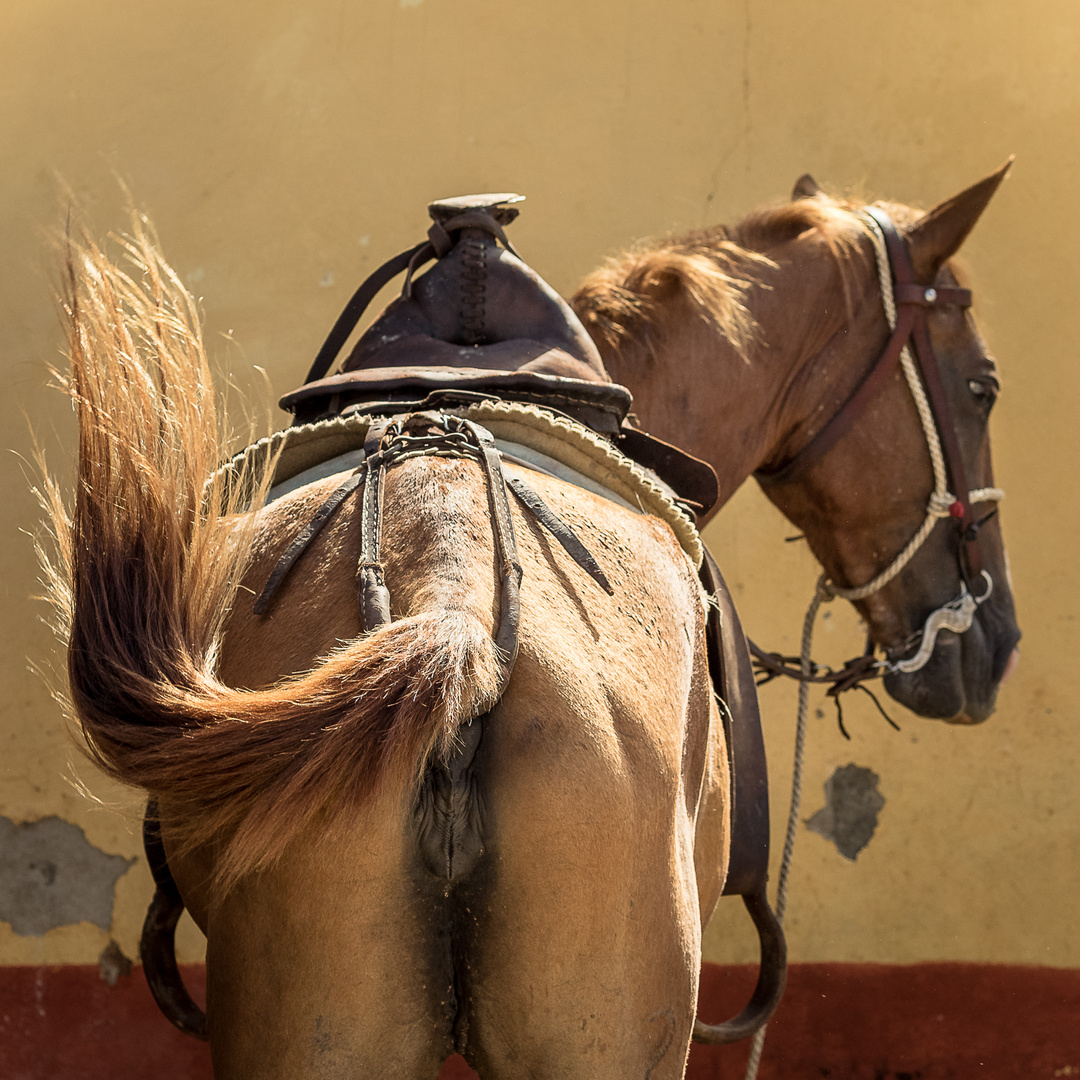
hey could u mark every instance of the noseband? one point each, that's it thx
(906, 306)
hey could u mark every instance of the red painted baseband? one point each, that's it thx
(837, 1022)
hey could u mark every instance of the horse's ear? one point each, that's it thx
(806, 187)
(938, 234)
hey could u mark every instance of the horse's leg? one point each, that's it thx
(326, 966)
(587, 943)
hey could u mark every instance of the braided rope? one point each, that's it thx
(295, 449)
(821, 595)
(941, 500)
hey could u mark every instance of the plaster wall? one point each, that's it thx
(285, 150)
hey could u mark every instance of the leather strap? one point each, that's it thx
(913, 301)
(561, 531)
(733, 680)
(930, 370)
(732, 675)
(157, 947)
(872, 383)
(355, 308)
(304, 539)
(507, 636)
(927, 295)
(374, 595)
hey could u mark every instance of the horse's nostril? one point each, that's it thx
(1010, 667)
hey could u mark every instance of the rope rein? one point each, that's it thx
(820, 596)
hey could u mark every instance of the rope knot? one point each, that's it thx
(941, 504)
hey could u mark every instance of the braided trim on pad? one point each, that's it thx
(296, 449)
(579, 448)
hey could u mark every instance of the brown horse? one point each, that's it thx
(394, 851)
(741, 345)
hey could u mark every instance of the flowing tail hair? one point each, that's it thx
(145, 569)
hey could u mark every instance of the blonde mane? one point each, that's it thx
(714, 270)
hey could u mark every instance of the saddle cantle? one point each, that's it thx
(481, 324)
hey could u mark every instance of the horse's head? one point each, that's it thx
(742, 344)
(859, 479)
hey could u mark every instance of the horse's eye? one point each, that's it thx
(984, 391)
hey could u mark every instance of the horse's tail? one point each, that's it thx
(149, 563)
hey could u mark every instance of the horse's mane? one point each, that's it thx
(713, 270)
(622, 300)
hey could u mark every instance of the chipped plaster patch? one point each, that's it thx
(850, 814)
(51, 875)
(113, 965)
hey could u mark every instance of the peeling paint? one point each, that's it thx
(51, 875)
(850, 814)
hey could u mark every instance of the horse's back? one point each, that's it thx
(531, 902)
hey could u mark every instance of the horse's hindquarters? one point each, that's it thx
(584, 943)
(332, 965)
(584, 951)
(550, 923)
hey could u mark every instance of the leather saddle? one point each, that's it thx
(481, 324)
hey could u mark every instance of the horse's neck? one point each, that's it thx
(741, 413)
(698, 392)
(734, 415)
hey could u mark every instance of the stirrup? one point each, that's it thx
(157, 948)
(772, 975)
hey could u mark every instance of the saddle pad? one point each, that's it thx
(304, 448)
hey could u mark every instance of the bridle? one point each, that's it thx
(906, 306)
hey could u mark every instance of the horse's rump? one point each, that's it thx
(584, 785)
(302, 765)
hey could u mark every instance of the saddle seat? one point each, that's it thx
(480, 325)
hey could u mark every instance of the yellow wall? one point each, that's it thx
(285, 149)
